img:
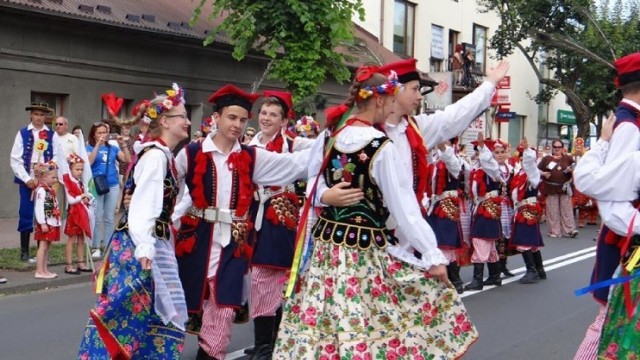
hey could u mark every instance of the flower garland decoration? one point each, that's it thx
(73, 158)
(306, 126)
(40, 169)
(391, 87)
(175, 97)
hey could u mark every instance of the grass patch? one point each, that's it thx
(10, 258)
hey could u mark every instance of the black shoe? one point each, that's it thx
(503, 268)
(202, 355)
(263, 335)
(476, 283)
(537, 261)
(494, 275)
(24, 256)
(531, 276)
(249, 351)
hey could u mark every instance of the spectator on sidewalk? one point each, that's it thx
(77, 130)
(35, 136)
(557, 170)
(68, 141)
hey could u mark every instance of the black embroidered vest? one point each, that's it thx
(162, 228)
(362, 224)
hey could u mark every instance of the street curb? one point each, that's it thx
(11, 289)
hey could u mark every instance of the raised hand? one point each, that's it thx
(496, 73)
(607, 128)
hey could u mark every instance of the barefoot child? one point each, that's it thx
(47, 215)
(78, 225)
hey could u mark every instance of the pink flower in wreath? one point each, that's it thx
(466, 326)
(361, 347)
(391, 355)
(310, 311)
(330, 348)
(457, 331)
(460, 318)
(394, 343)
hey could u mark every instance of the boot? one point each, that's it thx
(476, 283)
(503, 268)
(531, 276)
(24, 246)
(494, 275)
(453, 271)
(537, 261)
(276, 325)
(202, 355)
(263, 334)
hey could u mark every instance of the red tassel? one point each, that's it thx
(270, 215)
(185, 246)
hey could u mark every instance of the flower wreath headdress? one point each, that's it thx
(391, 87)
(40, 169)
(175, 97)
(74, 159)
(306, 126)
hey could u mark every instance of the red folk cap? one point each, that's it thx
(492, 144)
(230, 95)
(405, 69)
(628, 69)
(285, 100)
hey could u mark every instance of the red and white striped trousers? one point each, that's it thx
(484, 251)
(588, 350)
(266, 291)
(217, 323)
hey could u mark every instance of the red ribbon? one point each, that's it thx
(365, 73)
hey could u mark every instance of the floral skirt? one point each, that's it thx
(123, 323)
(620, 338)
(364, 304)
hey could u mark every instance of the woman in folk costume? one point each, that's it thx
(446, 193)
(356, 300)
(526, 237)
(276, 212)
(214, 245)
(489, 185)
(586, 206)
(141, 311)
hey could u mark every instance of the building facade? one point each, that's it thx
(430, 31)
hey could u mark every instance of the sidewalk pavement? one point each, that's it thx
(24, 281)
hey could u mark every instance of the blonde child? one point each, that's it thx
(78, 225)
(47, 215)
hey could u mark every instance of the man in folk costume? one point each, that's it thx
(526, 237)
(586, 206)
(413, 135)
(276, 216)
(445, 190)
(589, 181)
(34, 144)
(214, 246)
(489, 185)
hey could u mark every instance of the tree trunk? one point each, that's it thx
(583, 115)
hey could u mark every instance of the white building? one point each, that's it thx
(430, 30)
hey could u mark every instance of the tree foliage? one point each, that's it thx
(571, 45)
(299, 35)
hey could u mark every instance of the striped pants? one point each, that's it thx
(588, 350)
(266, 291)
(484, 251)
(217, 323)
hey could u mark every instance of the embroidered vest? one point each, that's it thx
(27, 149)
(627, 113)
(162, 228)
(361, 225)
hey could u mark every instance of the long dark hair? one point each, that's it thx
(92, 133)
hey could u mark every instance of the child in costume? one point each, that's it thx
(47, 216)
(141, 312)
(78, 226)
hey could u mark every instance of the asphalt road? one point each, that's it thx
(516, 322)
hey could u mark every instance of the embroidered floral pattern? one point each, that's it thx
(348, 308)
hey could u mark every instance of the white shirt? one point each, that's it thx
(269, 169)
(397, 191)
(17, 164)
(40, 216)
(531, 169)
(299, 143)
(69, 144)
(146, 205)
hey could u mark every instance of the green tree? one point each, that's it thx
(570, 45)
(299, 35)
